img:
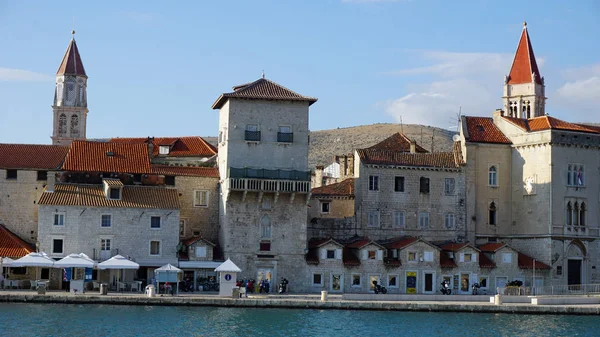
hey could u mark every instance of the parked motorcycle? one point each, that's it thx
(445, 289)
(378, 288)
(283, 285)
(474, 288)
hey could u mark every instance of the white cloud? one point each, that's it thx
(9, 74)
(580, 95)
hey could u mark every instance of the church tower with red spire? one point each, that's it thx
(524, 89)
(70, 98)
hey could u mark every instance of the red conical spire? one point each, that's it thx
(71, 63)
(524, 64)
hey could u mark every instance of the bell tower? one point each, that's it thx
(70, 98)
(524, 88)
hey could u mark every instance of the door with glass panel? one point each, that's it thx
(336, 283)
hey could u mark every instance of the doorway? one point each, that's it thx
(428, 282)
(464, 283)
(574, 272)
(337, 283)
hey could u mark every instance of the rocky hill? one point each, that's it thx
(324, 144)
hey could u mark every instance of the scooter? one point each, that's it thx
(445, 289)
(474, 288)
(379, 288)
(283, 285)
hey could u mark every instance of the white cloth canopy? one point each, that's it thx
(75, 261)
(228, 266)
(6, 262)
(118, 262)
(34, 260)
(168, 268)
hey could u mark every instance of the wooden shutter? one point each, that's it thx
(323, 253)
(365, 254)
(338, 254)
(379, 254)
(462, 257)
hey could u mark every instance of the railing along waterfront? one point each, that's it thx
(573, 289)
(267, 185)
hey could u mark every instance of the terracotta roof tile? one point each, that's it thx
(26, 156)
(453, 247)
(396, 142)
(383, 157)
(483, 130)
(319, 242)
(526, 262)
(401, 243)
(13, 246)
(519, 122)
(485, 262)
(549, 123)
(312, 257)
(189, 171)
(492, 247)
(93, 196)
(524, 64)
(262, 89)
(358, 244)
(71, 63)
(344, 188)
(113, 182)
(446, 262)
(194, 239)
(193, 146)
(349, 258)
(107, 157)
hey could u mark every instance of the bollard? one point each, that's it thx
(323, 296)
(498, 299)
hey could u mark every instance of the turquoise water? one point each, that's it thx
(108, 320)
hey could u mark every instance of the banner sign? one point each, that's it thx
(411, 282)
(88, 274)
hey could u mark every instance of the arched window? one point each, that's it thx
(265, 227)
(74, 126)
(569, 214)
(492, 214)
(62, 125)
(570, 180)
(576, 214)
(582, 215)
(493, 176)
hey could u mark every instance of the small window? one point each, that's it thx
(265, 227)
(393, 281)
(163, 149)
(137, 178)
(155, 222)
(373, 220)
(57, 246)
(483, 282)
(106, 220)
(398, 184)
(170, 180)
(412, 256)
(449, 221)
(285, 134)
(449, 186)
(424, 220)
(181, 227)
(200, 198)
(325, 207)
(493, 176)
(424, 185)
(59, 219)
(356, 280)
(373, 183)
(155, 248)
(105, 244)
(265, 246)
(428, 256)
(266, 203)
(399, 219)
(372, 255)
(11, 174)
(506, 258)
(201, 251)
(331, 253)
(467, 257)
(252, 134)
(42, 175)
(317, 279)
(115, 193)
(492, 214)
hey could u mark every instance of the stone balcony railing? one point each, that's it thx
(576, 231)
(267, 185)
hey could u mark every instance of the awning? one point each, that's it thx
(155, 262)
(199, 264)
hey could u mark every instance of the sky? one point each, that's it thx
(156, 67)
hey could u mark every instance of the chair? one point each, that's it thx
(96, 285)
(33, 284)
(121, 286)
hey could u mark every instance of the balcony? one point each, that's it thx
(268, 174)
(267, 185)
(285, 137)
(103, 255)
(252, 136)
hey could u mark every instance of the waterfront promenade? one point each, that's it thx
(464, 303)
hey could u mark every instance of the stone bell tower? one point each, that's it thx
(70, 98)
(524, 88)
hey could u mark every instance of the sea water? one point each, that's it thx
(24, 319)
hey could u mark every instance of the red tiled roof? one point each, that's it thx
(193, 146)
(13, 246)
(358, 244)
(312, 257)
(390, 262)
(349, 258)
(524, 64)
(396, 142)
(71, 63)
(189, 171)
(401, 242)
(526, 262)
(491, 247)
(446, 262)
(262, 89)
(549, 123)
(383, 157)
(107, 157)
(485, 262)
(344, 188)
(93, 195)
(453, 247)
(194, 239)
(483, 130)
(591, 127)
(26, 156)
(319, 242)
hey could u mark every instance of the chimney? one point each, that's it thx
(150, 141)
(319, 176)
(413, 146)
(498, 112)
(50, 181)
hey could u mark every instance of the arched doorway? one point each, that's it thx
(575, 263)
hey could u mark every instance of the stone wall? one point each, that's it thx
(203, 221)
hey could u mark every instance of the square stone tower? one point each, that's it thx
(265, 180)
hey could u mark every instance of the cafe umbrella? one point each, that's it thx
(37, 260)
(118, 262)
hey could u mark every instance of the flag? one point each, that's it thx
(579, 180)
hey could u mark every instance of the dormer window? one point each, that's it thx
(113, 188)
(115, 193)
(163, 149)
